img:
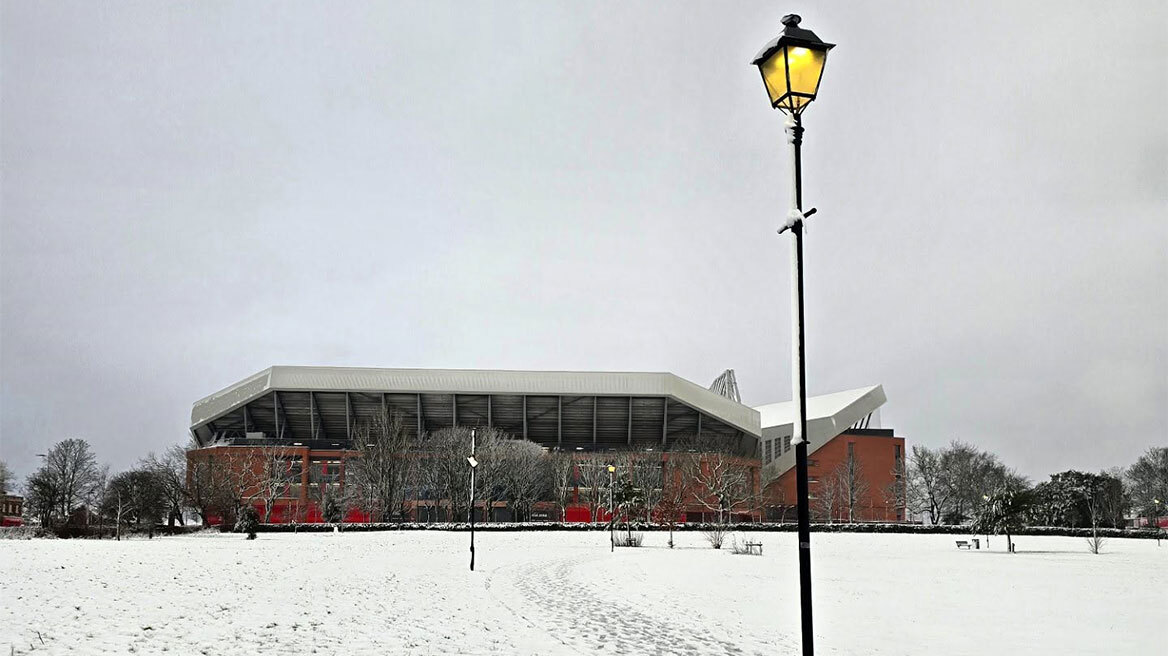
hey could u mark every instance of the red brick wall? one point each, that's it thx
(877, 457)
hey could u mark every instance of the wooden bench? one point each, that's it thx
(750, 546)
(964, 544)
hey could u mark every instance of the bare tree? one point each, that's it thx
(717, 480)
(645, 472)
(238, 479)
(203, 485)
(1147, 481)
(384, 466)
(827, 496)
(562, 467)
(274, 471)
(895, 493)
(139, 496)
(1116, 499)
(594, 480)
(671, 506)
(775, 497)
(5, 477)
(95, 495)
(40, 497)
(446, 470)
(170, 468)
(491, 455)
(969, 476)
(1094, 494)
(523, 475)
(853, 486)
(65, 480)
(927, 492)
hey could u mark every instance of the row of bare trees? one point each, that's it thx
(390, 469)
(70, 490)
(950, 484)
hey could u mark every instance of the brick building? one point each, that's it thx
(854, 467)
(11, 510)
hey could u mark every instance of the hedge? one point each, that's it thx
(641, 526)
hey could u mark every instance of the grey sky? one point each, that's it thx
(192, 192)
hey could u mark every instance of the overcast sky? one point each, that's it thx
(192, 192)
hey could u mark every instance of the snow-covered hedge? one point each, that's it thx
(23, 533)
(640, 526)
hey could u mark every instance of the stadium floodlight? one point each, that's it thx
(792, 67)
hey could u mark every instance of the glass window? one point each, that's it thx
(324, 471)
(786, 444)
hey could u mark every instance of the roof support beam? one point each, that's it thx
(559, 420)
(454, 400)
(664, 419)
(699, 424)
(525, 416)
(348, 416)
(312, 415)
(490, 418)
(594, 421)
(421, 421)
(630, 421)
(282, 427)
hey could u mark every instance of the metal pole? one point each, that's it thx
(611, 514)
(799, 383)
(472, 497)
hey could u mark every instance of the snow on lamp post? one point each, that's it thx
(473, 465)
(791, 68)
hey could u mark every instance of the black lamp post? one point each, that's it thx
(611, 514)
(791, 68)
(473, 465)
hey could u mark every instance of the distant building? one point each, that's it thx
(311, 412)
(11, 510)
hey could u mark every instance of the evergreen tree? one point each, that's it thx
(1004, 511)
(248, 521)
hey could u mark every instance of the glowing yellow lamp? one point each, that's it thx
(792, 66)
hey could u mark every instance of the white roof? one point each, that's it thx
(472, 381)
(827, 415)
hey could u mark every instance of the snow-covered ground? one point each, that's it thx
(564, 593)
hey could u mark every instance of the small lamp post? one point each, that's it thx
(791, 68)
(611, 514)
(473, 465)
(1156, 521)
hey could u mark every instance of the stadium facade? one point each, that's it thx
(312, 412)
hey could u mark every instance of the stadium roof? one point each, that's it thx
(320, 406)
(306, 399)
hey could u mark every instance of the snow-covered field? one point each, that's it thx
(564, 593)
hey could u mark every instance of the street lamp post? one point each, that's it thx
(1156, 521)
(611, 514)
(791, 67)
(473, 465)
